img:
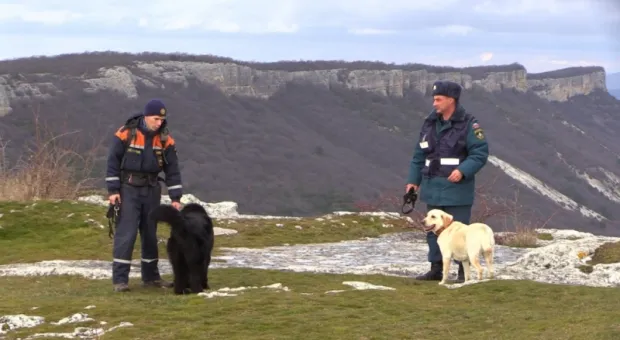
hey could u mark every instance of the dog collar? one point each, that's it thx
(441, 230)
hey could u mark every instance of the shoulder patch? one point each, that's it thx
(475, 126)
(479, 134)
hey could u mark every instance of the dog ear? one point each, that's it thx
(447, 219)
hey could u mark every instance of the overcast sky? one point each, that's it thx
(540, 34)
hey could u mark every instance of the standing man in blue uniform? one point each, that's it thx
(140, 150)
(451, 150)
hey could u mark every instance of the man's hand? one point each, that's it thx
(115, 197)
(455, 176)
(409, 186)
(176, 205)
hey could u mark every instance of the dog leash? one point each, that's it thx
(409, 198)
(112, 215)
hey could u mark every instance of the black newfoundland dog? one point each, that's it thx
(189, 246)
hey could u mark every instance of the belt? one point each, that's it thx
(140, 179)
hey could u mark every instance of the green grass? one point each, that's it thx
(607, 253)
(494, 310)
(415, 310)
(52, 230)
(545, 236)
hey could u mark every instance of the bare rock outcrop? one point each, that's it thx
(560, 85)
(263, 80)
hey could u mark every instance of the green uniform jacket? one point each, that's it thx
(438, 191)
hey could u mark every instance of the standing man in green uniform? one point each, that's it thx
(451, 150)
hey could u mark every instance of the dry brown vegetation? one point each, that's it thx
(310, 150)
(49, 168)
(486, 207)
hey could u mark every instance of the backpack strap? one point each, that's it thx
(163, 137)
(132, 126)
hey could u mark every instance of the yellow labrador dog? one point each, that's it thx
(461, 242)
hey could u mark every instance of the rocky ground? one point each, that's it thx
(559, 258)
(556, 261)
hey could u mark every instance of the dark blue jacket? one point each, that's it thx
(443, 146)
(141, 156)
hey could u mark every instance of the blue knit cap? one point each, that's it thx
(447, 88)
(155, 107)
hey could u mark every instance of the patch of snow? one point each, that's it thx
(332, 291)
(80, 332)
(399, 254)
(210, 295)
(224, 231)
(359, 285)
(611, 177)
(609, 190)
(220, 210)
(573, 127)
(77, 317)
(612, 193)
(12, 322)
(226, 291)
(380, 214)
(538, 186)
(95, 223)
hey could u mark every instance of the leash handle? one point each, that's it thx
(409, 198)
(112, 215)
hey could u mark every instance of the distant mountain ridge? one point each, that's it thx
(299, 138)
(264, 79)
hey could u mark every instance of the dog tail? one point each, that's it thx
(488, 243)
(168, 214)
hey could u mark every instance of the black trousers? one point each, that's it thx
(136, 204)
(461, 213)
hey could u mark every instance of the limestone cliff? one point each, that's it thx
(263, 80)
(560, 85)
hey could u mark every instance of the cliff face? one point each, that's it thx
(244, 80)
(262, 81)
(316, 149)
(563, 84)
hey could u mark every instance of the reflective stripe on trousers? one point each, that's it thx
(136, 202)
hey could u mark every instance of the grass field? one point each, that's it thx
(414, 310)
(62, 230)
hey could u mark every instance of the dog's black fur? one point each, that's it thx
(189, 246)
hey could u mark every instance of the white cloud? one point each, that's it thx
(370, 31)
(244, 16)
(454, 30)
(21, 12)
(459, 32)
(545, 7)
(487, 56)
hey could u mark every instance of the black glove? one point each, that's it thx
(409, 198)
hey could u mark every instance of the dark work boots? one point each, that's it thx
(434, 274)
